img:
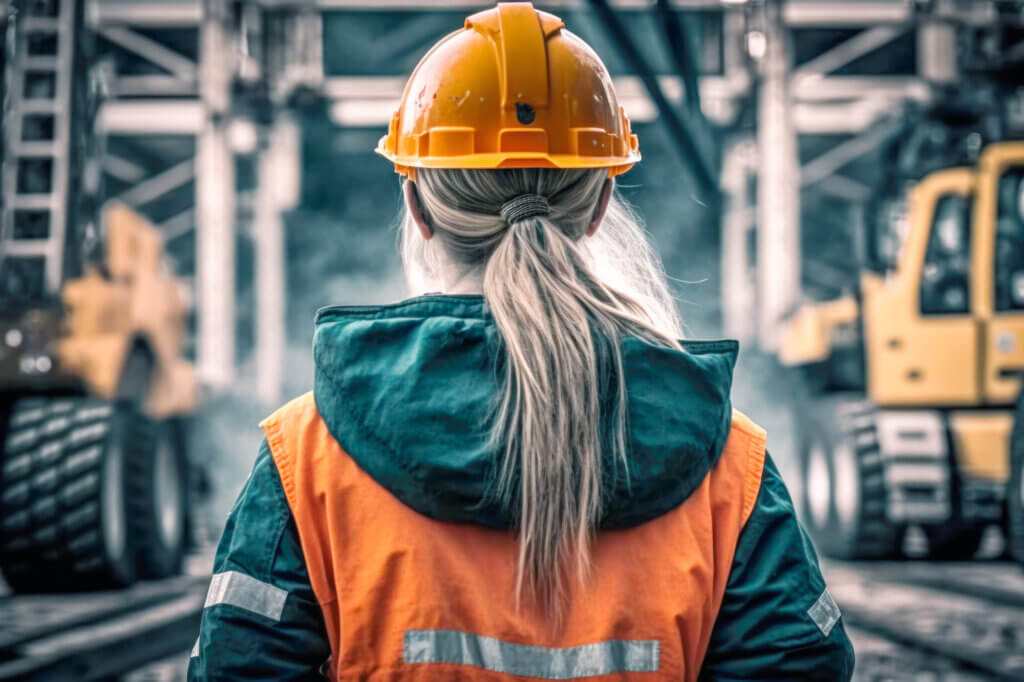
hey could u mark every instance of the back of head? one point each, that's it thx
(561, 295)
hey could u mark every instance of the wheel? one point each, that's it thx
(162, 479)
(78, 491)
(953, 542)
(1015, 491)
(65, 516)
(136, 375)
(843, 483)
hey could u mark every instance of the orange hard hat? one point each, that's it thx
(512, 89)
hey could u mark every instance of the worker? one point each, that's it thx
(526, 476)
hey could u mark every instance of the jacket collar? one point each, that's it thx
(406, 390)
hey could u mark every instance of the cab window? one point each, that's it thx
(1009, 256)
(946, 274)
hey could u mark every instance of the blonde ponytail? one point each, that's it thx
(561, 319)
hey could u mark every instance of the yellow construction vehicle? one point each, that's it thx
(916, 418)
(94, 473)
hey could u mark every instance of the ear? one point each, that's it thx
(602, 206)
(412, 204)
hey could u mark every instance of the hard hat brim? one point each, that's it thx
(616, 165)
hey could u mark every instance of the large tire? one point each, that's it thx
(1015, 491)
(65, 516)
(162, 516)
(77, 496)
(843, 483)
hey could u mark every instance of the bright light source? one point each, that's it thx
(757, 44)
(242, 136)
(13, 338)
(43, 364)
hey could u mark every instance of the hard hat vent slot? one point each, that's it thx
(450, 141)
(592, 142)
(523, 140)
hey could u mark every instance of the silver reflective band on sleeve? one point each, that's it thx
(824, 613)
(601, 658)
(245, 592)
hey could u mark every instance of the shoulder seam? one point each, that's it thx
(278, 449)
(756, 449)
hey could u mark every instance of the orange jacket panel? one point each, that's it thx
(380, 569)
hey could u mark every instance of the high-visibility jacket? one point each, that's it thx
(365, 547)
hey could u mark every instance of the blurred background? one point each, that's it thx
(838, 185)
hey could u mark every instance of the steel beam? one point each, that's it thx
(682, 54)
(739, 298)
(844, 188)
(278, 176)
(145, 13)
(778, 198)
(823, 13)
(215, 207)
(831, 161)
(154, 85)
(820, 118)
(855, 87)
(690, 153)
(936, 51)
(150, 117)
(174, 62)
(179, 225)
(160, 184)
(845, 52)
(123, 169)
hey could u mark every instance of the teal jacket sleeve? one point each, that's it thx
(262, 620)
(777, 620)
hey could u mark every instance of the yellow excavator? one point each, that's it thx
(916, 417)
(95, 478)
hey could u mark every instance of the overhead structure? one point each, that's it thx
(836, 107)
(683, 136)
(38, 131)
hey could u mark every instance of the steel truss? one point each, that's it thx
(824, 103)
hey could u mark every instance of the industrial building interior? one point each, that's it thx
(837, 185)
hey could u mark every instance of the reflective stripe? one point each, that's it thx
(195, 649)
(245, 592)
(825, 613)
(602, 658)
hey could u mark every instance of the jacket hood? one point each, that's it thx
(407, 389)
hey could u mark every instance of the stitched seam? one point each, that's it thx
(271, 427)
(279, 453)
(754, 474)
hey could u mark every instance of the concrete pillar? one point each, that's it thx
(778, 196)
(215, 206)
(739, 299)
(276, 192)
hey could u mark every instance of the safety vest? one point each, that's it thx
(406, 597)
